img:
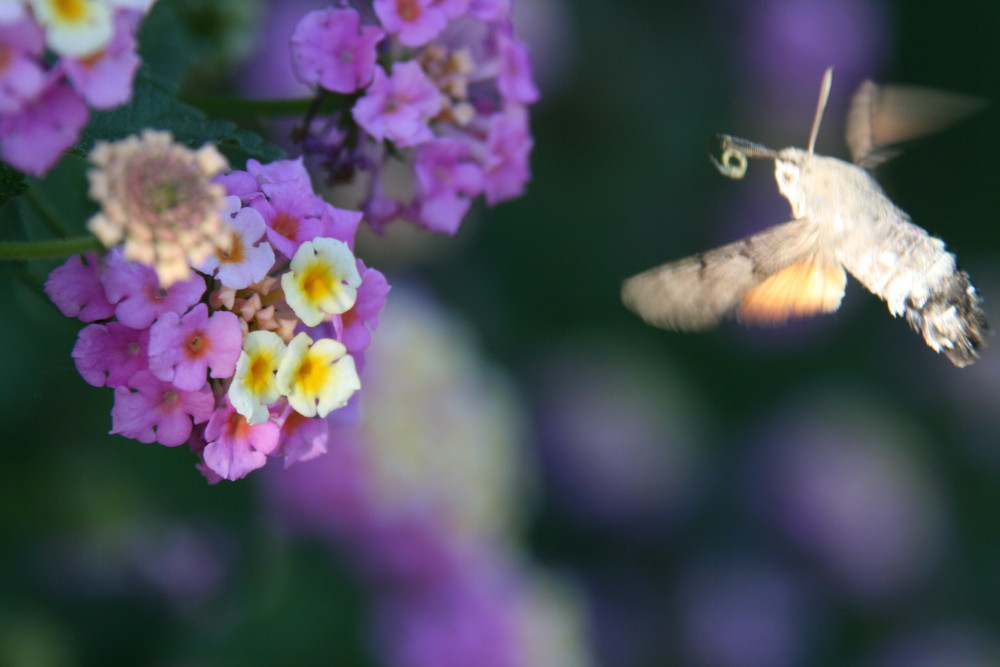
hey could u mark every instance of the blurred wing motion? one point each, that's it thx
(765, 279)
(881, 117)
(913, 273)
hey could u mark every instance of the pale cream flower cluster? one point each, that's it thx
(158, 196)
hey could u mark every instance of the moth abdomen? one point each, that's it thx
(951, 319)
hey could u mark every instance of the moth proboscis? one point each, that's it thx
(842, 222)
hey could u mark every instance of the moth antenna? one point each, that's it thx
(824, 94)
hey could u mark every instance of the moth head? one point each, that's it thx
(788, 167)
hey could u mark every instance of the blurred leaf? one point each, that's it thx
(154, 105)
(11, 184)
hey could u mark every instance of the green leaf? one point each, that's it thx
(12, 184)
(154, 105)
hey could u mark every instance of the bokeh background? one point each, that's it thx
(541, 479)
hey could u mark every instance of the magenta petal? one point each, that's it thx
(110, 354)
(332, 49)
(226, 338)
(33, 139)
(173, 429)
(139, 300)
(236, 448)
(76, 290)
(156, 410)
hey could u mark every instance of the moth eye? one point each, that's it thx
(787, 175)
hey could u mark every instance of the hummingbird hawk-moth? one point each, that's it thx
(842, 221)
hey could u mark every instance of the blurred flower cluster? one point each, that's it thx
(428, 497)
(234, 316)
(435, 108)
(59, 59)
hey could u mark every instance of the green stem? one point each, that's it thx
(48, 249)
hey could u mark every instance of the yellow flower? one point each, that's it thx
(323, 280)
(317, 377)
(74, 28)
(255, 385)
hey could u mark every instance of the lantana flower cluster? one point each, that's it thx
(57, 60)
(245, 356)
(439, 88)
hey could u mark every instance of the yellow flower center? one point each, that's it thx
(236, 252)
(317, 283)
(70, 11)
(261, 373)
(313, 377)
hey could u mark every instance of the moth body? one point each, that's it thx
(842, 222)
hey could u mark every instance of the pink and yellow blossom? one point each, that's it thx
(255, 385)
(323, 280)
(317, 378)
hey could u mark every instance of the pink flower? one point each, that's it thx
(303, 438)
(110, 354)
(21, 73)
(490, 11)
(183, 349)
(508, 146)
(105, 78)
(515, 82)
(246, 262)
(448, 177)
(340, 224)
(281, 171)
(358, 323)
(76, 290)
(33, 138)
(292, 214)
(332, 49)
(135, 290)
(234, 447)
(240, 184)
(150, 410)
(413, 22)
(399, 108)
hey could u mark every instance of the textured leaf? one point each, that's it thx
(154, 105)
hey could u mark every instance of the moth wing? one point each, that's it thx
(918, 279)
(881, 117)
(764, 278)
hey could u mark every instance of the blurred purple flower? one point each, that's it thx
(745, 614)
(331, 48)
(783, 46)
(105, 78)
(448, 177)
(34, 137)
(943, 645)
(607, 424)
(21, 73)
(846, 484)
(399, 107)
